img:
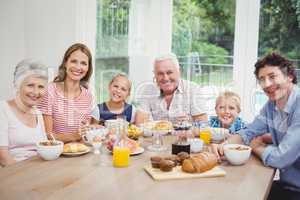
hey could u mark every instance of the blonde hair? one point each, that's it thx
(228, 95)
(124, 76)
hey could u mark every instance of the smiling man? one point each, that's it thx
(280, 116)
(173, 97)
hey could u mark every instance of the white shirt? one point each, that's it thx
(188, 99)
(18, 137)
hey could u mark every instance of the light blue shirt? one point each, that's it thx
(284, 125)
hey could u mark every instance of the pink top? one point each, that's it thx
(67, 113)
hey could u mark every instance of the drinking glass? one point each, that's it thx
(157, 141)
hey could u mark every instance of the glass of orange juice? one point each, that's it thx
(121, 156)
(205, 135)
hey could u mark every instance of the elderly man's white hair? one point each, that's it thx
(28, 67)
(169, 56)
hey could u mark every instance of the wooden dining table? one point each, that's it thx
(93, 177)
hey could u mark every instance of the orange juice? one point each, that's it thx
(121, 156)
(205, 135)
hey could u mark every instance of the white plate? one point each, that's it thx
(138, 151)
(76, 153)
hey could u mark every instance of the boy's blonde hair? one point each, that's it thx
(124, 76)
(227, 95)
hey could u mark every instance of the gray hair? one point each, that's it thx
(28, 67)
(169, 56)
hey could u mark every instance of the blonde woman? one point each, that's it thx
(21, 124)
(68, 101)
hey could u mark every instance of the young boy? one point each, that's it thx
(228, 107)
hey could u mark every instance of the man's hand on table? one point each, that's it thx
(258, 145)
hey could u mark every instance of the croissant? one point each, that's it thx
(74, 147)
(199, 163)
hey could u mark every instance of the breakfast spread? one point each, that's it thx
(75, 147)
(197, 163)
(131, 144)
(134, 132)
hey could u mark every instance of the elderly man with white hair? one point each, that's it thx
(21, 124)
(173, 97)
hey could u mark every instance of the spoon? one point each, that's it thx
(52, 137)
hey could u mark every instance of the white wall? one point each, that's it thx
(43, 30)
(11, 40)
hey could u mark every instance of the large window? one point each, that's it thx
(112, 43)
(279, 31)
(203, 36)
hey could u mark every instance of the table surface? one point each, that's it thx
(92, 177)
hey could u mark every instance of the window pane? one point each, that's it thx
(112, 43)
(279, 31)
(203, 36)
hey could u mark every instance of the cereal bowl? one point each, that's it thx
(237, 154)
(49, 150)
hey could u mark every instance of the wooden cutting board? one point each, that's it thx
(177, 173)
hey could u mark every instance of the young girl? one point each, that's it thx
(68, 101)
(119, 90)
(228, 107)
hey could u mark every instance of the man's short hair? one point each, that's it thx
(274, 59)
(169, 56)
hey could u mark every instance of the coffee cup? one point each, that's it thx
(91, 134)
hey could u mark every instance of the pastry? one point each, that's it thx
(166, 165)
(163, 126)
(182, 156)
(155, 161)
(74, 148)
(173, 158)
(199, 163)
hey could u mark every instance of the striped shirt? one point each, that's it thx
(67, 114)
(188, 99)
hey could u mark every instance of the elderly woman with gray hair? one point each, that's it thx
(21, 124)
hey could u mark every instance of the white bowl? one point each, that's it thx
(219, 134)
(50, 152)
(237, 154)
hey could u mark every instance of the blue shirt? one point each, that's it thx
(237, 125)
(284, 125)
